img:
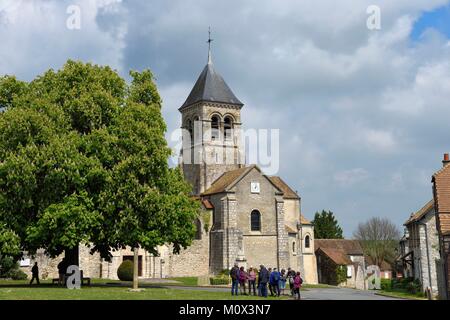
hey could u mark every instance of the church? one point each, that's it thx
(247, 217)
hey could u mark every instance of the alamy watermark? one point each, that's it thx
(200, 145)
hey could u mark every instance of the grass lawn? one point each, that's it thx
(107, 290)
(399, 294)
(185, 281)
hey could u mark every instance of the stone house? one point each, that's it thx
(422, 248)
(332, 254)
(441, 193)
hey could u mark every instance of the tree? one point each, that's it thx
(379, 238)
(83, 160)
(326, 226)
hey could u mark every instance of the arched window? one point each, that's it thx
(194, 129)
(215, 131)
(228, 127)
(255, 220)
(189, 129)
(307, 242)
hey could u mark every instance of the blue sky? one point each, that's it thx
(363, 114)
(438, 19)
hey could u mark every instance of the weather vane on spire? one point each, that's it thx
(209, 44)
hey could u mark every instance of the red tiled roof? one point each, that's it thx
(339, 250)
(421, 213)
(441, 182)
(288, 193)
(227, 179)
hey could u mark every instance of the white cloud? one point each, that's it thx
(350, 177)
(343, 96)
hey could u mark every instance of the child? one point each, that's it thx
(297, 285)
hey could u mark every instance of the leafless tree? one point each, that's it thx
(379, 238)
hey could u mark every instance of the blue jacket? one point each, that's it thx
(274, 277)
(263, 275)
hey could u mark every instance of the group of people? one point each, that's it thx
(260, 280)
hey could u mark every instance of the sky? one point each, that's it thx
(363, 114)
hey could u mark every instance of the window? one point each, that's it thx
(215, 128)
(228, 126)
(255, 221)
(189, 129)
(307, 242)
(293, 247)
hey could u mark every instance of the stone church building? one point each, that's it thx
(247, 217)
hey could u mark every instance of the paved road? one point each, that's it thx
(314, 294)
(341, 294)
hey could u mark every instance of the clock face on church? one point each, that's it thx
(254, 187)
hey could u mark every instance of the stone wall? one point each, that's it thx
(47, 266)
(193, 261)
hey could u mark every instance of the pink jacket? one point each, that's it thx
(252, 275)
(297, 282)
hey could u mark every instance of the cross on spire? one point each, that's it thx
(209, 45)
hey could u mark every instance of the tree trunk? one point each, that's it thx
(135, 269)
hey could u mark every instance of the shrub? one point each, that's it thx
(18, 275)
(341, 274)
(7, 265)
(386, 284)
(125, 270)
(9, 268)
(217, 281)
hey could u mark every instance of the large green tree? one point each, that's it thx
(326, 226)
(83, 160)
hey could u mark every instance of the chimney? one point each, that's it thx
(446, 160)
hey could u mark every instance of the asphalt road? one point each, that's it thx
(315, 294)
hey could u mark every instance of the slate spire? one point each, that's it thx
(210, 86)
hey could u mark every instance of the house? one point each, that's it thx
(441, 193)
(333, 255)
(421, 248)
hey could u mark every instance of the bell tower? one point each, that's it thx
(211, 123)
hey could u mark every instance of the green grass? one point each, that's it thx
(399, 294)
(185, 281)
(107, 290)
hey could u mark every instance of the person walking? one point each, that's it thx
(234, 273)
(298, 281)
(35, 273)
(274, 282)
(283, 279)
(242, 280)
(251, 281)
(291, 276)
(270, 285)
(62, 267)
(263, 278)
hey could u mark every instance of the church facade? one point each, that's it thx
(247, 217)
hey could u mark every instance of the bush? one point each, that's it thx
(7, 265)
(341, 274)
(218, 281)
(9, 268)
(125, 271)
(386, 284)
(18, 275)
